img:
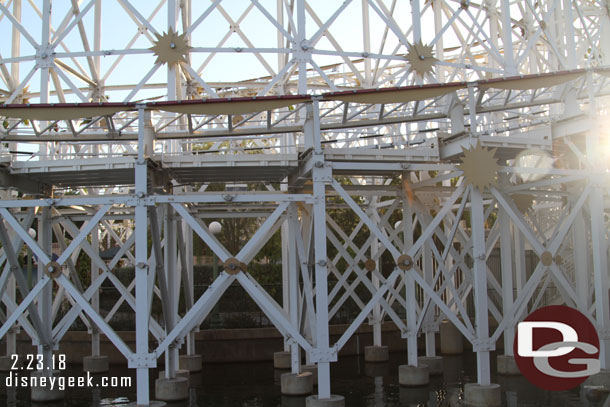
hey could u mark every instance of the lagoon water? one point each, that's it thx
(362, 384)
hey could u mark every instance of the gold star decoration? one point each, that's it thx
(170, 48)
(479, 166)
(421, 58)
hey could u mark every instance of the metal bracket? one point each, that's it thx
(546, 258)
(370, 265)
(404, 262)
(136, 360)
(322, 174)
(53, 269)
(558, 260)
(301, 56)
(429, 327)
(177, 343)
(324, 355)
(408, 334)
(483, 345)
(45, 56)
(234, 266)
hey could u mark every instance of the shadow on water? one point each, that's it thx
(362, 384)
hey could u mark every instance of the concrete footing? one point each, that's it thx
(452, 342)
(292, 384)
(376, 354)
(520, 385)
(599, 379)
(313, 369)
(434, 363)
(172, 389)
(593, 395)
(281, 360)
(192, 363)
(333, 401)
(6, 363)
(96, 364)
(45, 394)
(179, 373)
(412, 376)
(507, 365)
(479, 395)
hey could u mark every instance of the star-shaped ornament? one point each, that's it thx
(421, 58)
(479, 166)
(170, 48)
(523, 202)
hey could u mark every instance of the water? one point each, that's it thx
(362, 385)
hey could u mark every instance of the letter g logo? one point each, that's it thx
(556, 348)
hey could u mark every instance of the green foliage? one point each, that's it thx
(83, 268)
(271, 253)
(236, 232)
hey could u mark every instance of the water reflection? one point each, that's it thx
(375, 370)
(292, 401)
(362, 385)
(413, 396)
(11, 397)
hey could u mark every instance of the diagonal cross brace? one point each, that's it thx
(156, 244)
(17, 243)
(368, 284)
(377, 297)
(272, 310)
(367, 221)
(84, 232)
(201, 308)
(557, 241)
(14, 223)
(352, 262)
(23, 285)
(93, 314)
(303, 266)
(64, 324)
(71, 268)
(262, 235)
(25, 304)
(532, 283)
(11, 307)
(94, 256)
(203, 232)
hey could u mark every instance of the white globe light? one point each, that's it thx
(398, 224)
(215, 227)
(32, 233)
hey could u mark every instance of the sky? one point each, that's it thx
(118, 29)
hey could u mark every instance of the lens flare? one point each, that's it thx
(533, 165)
